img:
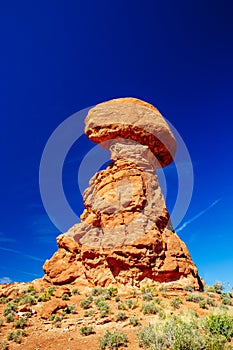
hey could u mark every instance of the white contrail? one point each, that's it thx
(202, 212)
(21, 253)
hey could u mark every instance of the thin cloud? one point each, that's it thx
(22, 254)
(5, 280)
(4, 239)
(195, 217)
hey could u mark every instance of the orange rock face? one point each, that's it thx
(125, 236)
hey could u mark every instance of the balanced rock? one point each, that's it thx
(125, 236)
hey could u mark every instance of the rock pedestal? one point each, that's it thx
(125, 236)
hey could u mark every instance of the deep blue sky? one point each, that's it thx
(58, 57)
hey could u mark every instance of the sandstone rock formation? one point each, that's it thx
(125, 236)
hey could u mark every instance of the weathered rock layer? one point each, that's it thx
(125, 236)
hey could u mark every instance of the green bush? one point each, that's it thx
(133, 293)
(150, 308)
(20, 323)
(121, 305)
(112, 291)
(10, 317)
(134, 321)
(117, 298)
(226, 299)
(3, 300)
(70, 309)
(147, 296)
(65, 296)
(16, 336)
(217, 287)
(86, 303)
(216, 342)
(174, 334)
(220, 324)
(104, 308)
(130, 303)
(203, 304)
(4, 345)
(113, 340)
(75, 291)
(51, 290)
(44, 297)
(176, 302)
(89, 312)
(27, 299)
(211, 302)
(121, 316)
(86, 330)
(31, 290)
(194, 297)
(188, 288)
(10, 308)
(97, 291)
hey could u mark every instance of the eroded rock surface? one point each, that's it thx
(125, 236)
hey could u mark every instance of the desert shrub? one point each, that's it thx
(130, 303)
(3, 300)
(147, 296)
(163, 289)
(217, 287)
(134, 321)
(51, 291)
(75, 291)
(20, 323)
(224, 308)
(188, 288)
(44, 297)
(121, 305)
(216, 342)
(86, 330)
(112, 291)
(152, 338)
(16, 336)
(158, 300)
(194, 297)
(98, 300)
(176, 302)
(113, 340)
(150, 307)
(121, 316)
(27, 299)
(174, 334)
(104, 308)
(10, 317)
(117, 298)
(86, 303)
(203, 304)
(1, 322)
(220, 324)
(210, 302)
(89, 312)
(70, 309)
(226, 299)
(10, 308)
(148, 289)
(10, 336)
(133, 293)
(162, 315)
(97, 291)
(56, 320)
(65, 296)
(31, 290)
(4, 345)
